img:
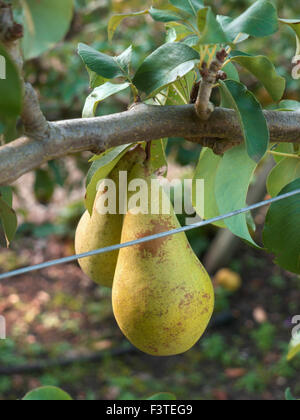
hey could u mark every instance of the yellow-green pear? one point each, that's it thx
(162, 296)
(103, 230)
(96, 232)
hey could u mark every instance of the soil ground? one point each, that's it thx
(59, 313)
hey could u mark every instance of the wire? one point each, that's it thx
(147, 238)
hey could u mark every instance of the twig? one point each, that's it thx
(204, 108)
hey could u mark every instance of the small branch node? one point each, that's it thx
(210, 75)
(35, 124)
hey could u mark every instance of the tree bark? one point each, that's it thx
(140, 123)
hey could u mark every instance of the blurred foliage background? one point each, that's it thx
(58, 314)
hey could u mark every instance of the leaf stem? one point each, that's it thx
(184, 88)
(234, 42)
(211, 55)
(195, 30)
(180, 94)
(203, 53)
(156, 98)
(135, 92)
(226, 62)
(289, 155)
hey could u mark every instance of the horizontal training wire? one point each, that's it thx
(147, 238)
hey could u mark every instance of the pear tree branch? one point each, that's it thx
(199, 123)
(141, 123)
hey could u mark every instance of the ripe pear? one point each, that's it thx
(103, 230)
(228, 279)
(162, 296)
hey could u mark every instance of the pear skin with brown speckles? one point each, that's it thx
(103, 230)
(163, 297)
(93, 232)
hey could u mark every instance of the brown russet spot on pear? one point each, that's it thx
(162, 296)
(153, 247)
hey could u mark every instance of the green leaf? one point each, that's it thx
(177, 32)
(8, 216)
(231, 72)
(98, 95)
(164, 15)
(45, 24)
(7, 195)
(289, 105)
(283, 174)
(171, 35)
(224, 21)
(179, 91)
(207, 170)
(283, 148)
(292, 23)
(282, 228)
(163, 396)
(59, 172)
(289, 396)
(104, 65)
(211, 30)
(295, 25)
(100, 169)
(191, 7)
(233, 178)
(262, 68)
(158, 155)
(191, 40)
(47, 393)
(253, 123)
(95, 79)
(44, 186)
(294, 347)
(164, 66)
(116, 20)
(11, 91)
(124, 59)
(258, 21)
